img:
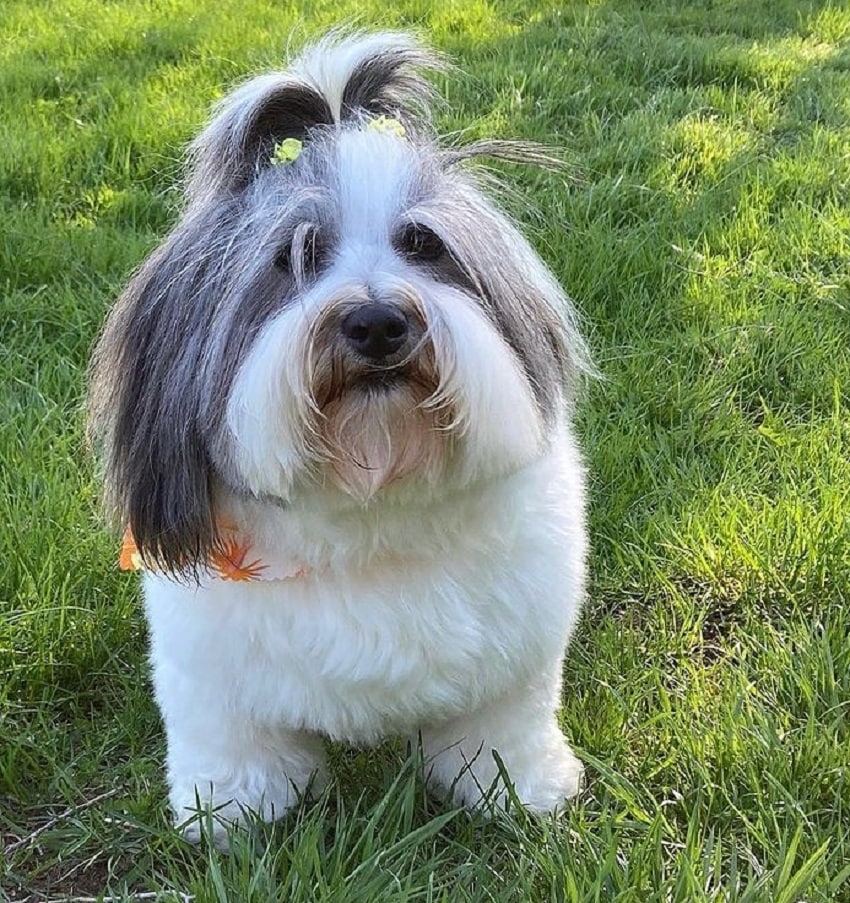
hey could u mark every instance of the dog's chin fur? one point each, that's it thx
(373, 437)
(423, 511)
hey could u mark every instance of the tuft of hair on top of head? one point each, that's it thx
(343, 77)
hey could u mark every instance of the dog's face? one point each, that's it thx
(358, 316)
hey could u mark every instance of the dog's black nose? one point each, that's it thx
(376, 330)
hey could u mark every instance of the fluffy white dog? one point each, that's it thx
(333, 410)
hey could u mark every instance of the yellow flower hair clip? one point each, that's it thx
(286, 151)
(389, 125)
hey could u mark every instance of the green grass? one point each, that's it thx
(704, 228)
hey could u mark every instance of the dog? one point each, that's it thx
(333, 411)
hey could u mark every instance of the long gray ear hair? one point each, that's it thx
(148, 400)
(342, 77)
(145, 406)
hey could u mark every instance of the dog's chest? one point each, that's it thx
(355, 658)
(471, 600)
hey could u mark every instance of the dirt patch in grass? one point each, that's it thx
(85, 878)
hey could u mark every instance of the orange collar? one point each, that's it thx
(234, 561)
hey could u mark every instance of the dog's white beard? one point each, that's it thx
(373, 438)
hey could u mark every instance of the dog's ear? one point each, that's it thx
(239, 142)
(146, 415)
(385, 78)
(341, 78)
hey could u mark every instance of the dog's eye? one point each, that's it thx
(313, 253)
(420, 243)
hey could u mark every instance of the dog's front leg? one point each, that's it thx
(230, 766)
(522, 729)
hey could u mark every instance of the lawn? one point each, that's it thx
(703, 225)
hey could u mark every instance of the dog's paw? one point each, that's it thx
(208, 821)
(216, 825)
(549, 788)
(213, 814)
(224, 785)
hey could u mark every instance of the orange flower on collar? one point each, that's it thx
(231, 564)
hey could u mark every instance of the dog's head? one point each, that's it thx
(339, 305)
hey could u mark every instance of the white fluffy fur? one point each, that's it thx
(447, 617)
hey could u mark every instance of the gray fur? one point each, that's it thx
(173, 344)
(383, 75)
(493, 261)
(390, 84)
(240, 141)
